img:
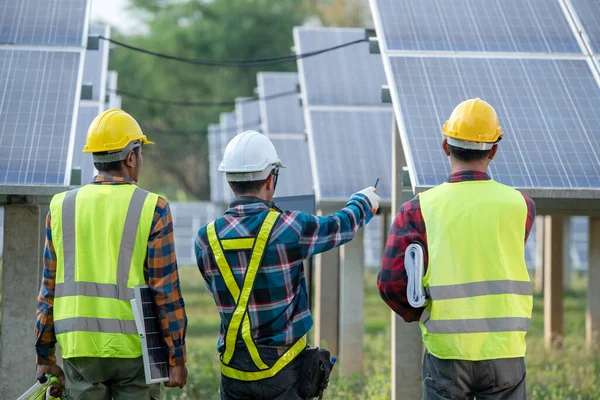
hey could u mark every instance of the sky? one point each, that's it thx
(114, 12)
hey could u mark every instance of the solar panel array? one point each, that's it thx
(350, 131)
(296, 178)
(281, 114)
(188, 218)
(588, 15)
(247, 115)
(113, 100)
(214, 159)
(40, 73)
(547, 102)
(95, 71)
(43, 22)
(229, 128)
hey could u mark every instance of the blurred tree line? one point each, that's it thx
(177, 166)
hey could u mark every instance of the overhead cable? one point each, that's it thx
(184, 103)
(234, 62)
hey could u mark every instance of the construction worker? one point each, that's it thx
(473, 231)
(102, 240)
(251, 260)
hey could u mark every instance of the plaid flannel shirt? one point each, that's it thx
(278, 306)
(409, 227)
(160, 272)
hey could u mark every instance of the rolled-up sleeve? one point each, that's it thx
(163, 280)
(392, 281)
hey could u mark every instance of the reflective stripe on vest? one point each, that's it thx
(240, 317)
(100, 235)
(481, 295)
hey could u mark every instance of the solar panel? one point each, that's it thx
(228, 131)
(352, 148)
(214, 159)
(43, 22)
(348, 76)
(247, 114)
(38, 96)
(296, 179)
(588, 13)
(96, 65)
(188, 218)
(549, 110)
(84, 161)
(114, 100)
(281, 114)
(154, 351)
(491, 25)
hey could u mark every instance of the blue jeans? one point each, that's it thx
(501, 379)
(284, 385)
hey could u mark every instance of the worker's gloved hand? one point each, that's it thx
(56, 371)
(177, 376)
(372, 196)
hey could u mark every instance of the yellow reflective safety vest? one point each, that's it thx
(480, 290)
(100, 236)
(240, 317)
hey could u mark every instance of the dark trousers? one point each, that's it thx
(283, 386)
(502, 379)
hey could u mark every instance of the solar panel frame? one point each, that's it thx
(331, 78)
(154, 349)
(296, 178)
(247, 115)
(282, 114)
(49, 26)
(95, 69)
(51, 68)
(525, 26)
(214, 159)
(228, 124)
(587, 20)
(387, 55)
(114, 100)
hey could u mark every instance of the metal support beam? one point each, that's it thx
(407, 348)
(539, 254)
(567, 243)
(553, 281)
(327, 298)
(20, 285)
(352, 304)
(592, 325)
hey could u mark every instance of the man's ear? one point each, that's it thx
(269, 182)
(131, 160)
(445, 147)
(493, 152)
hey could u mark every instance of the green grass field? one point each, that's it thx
(571, 373)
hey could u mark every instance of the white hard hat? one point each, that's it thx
(249, 156)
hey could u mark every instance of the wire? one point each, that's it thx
(234, 62)
(183, 103)
(194, 132)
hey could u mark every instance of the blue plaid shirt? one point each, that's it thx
(278, 306)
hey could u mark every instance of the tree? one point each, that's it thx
(219, 29)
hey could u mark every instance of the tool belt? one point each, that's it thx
(315, 372)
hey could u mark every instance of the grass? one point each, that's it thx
(571, 373)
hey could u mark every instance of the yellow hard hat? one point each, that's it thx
(473, 125)
(113, 130)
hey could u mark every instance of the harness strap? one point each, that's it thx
(240, 316)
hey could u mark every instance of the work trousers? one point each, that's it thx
(501, 379)
(90, 378)
(283, 386)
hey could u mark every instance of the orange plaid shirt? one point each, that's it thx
(160, 272)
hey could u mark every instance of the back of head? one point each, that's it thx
(111, 137)
(472, 130)
(249, 159)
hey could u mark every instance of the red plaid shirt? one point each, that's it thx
(160, 271)
(409, 227)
